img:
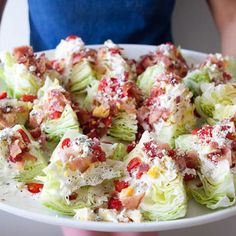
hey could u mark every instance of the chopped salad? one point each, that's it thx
(101, 137)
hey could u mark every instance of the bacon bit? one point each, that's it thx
(71, 37)
(81, 164)
(98, 154)
(114, 203)
(57, 65)
(119, 185)
(107, 121)
(134, 163)
(28, 98)
(233, 146)
(3, 95)
(133, 202)
(177, 99)
(15, 159)
(26, 156)
(143, 168)
(215, 156)
(23, 54)
(76, 58)
(55, 115)
(171, 152)
(24, 136)
(115, 50)
(34, 187)
(73, 196)
(130, 147)
(191, 160)
(15, 150)
(188, 177)
(66, 143)
(231, 136)
(35, 133)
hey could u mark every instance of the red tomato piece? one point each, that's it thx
(143, 168)
(3, 95)
(195, 131)
(130, 147)
(24, 136)
(98, 153)
(71, 37)
(114, 203)
(66, 143)
(135, 162)
(28, 98)
(34, 187)
(119, 185)
(55, 115)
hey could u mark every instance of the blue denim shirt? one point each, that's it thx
(123, 21)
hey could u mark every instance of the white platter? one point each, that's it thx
(23, 205)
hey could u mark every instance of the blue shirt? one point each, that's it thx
(123, 21)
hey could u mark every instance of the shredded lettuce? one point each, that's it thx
(147, 79)
(211, 105)
(124, 127)
(56, 128)
(81, 76)
(164, 192)
(18, 78)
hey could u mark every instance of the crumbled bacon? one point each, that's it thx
(36, 64)
(172, 59)
(132, 202)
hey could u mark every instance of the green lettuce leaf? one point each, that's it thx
(124, 127)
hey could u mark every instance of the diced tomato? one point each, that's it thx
(34, 187)
(66, 143)
(134, 163)
(71, 37)
(130, 147)
(143, 168)
(98, 153)
(114, 203)
(24, 136)
(28, 98)
(195, 131)
(102, 85)
(119, 185)
(55, 115)
(3, 95)
(73, 196)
